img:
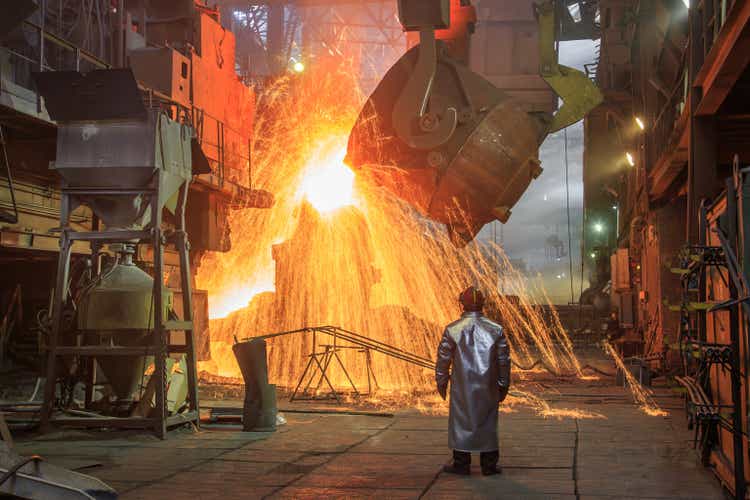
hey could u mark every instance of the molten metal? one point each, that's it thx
(328, 183)
(355, 257)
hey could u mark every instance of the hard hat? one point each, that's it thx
(472, 299)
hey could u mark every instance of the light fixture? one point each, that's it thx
(593, 255)
(631, 160)
(614, 207)
(298, 67)
(640, 123)
(598, 227)
(687, 3)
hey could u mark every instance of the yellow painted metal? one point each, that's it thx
(578, 93)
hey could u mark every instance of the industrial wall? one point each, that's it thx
(668, 147)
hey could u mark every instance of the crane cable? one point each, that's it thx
(567, 202)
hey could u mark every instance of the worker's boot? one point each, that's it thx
(461, 464)
(489, 460)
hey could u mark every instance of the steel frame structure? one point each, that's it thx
(160, 346)
(368, 31)
(320, 361)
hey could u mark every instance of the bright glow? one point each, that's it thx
(687, 3)
(631, 160)
(575, 12)
(593, 255)
(375, 267)
(640, 123)
(221, 305)
(298, 67)
(328, 183)
(598, 227)
(614, 207)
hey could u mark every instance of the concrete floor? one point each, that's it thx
(625, 455)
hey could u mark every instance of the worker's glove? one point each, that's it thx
(503, 391)
(442, 390)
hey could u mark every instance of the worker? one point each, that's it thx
(474, 356)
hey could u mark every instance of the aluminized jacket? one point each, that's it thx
(477, 351)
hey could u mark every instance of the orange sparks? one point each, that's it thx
(544, 409)
(641, 395)
(328, 184)
(336, 250)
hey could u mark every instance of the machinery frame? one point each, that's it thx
(160, 347)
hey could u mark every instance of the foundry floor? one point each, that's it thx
(625, 455)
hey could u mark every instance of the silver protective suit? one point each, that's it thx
(473, 354)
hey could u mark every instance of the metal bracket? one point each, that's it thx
(578, 93)
(410, 110)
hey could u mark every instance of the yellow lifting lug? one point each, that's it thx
(578, 93)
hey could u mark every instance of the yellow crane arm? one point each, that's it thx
(578, 93)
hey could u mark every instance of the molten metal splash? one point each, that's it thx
(342, 252)
(328, 183)
(641, 395)
(544, 409)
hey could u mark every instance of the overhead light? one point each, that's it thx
(631, 160)
(640, 123)
(687, 3)
(298, 67)
(614, 207)
(598, 227)
(593, 255)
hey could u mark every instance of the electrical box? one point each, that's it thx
(417, 14)
(207, 222)
(164, 70)
(627, 310)
(620, 270)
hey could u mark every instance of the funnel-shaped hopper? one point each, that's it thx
(117, 309)
(474, 177)
(107, 140)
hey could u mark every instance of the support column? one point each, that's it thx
(275, 40)
(702, 149)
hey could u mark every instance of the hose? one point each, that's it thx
(13, 470)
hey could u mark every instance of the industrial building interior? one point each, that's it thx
(249, 303)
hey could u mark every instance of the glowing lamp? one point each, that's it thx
(298, 67)
(631, 160)
(640, 123)
(598, 227)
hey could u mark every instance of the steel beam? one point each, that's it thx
(726, 61)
